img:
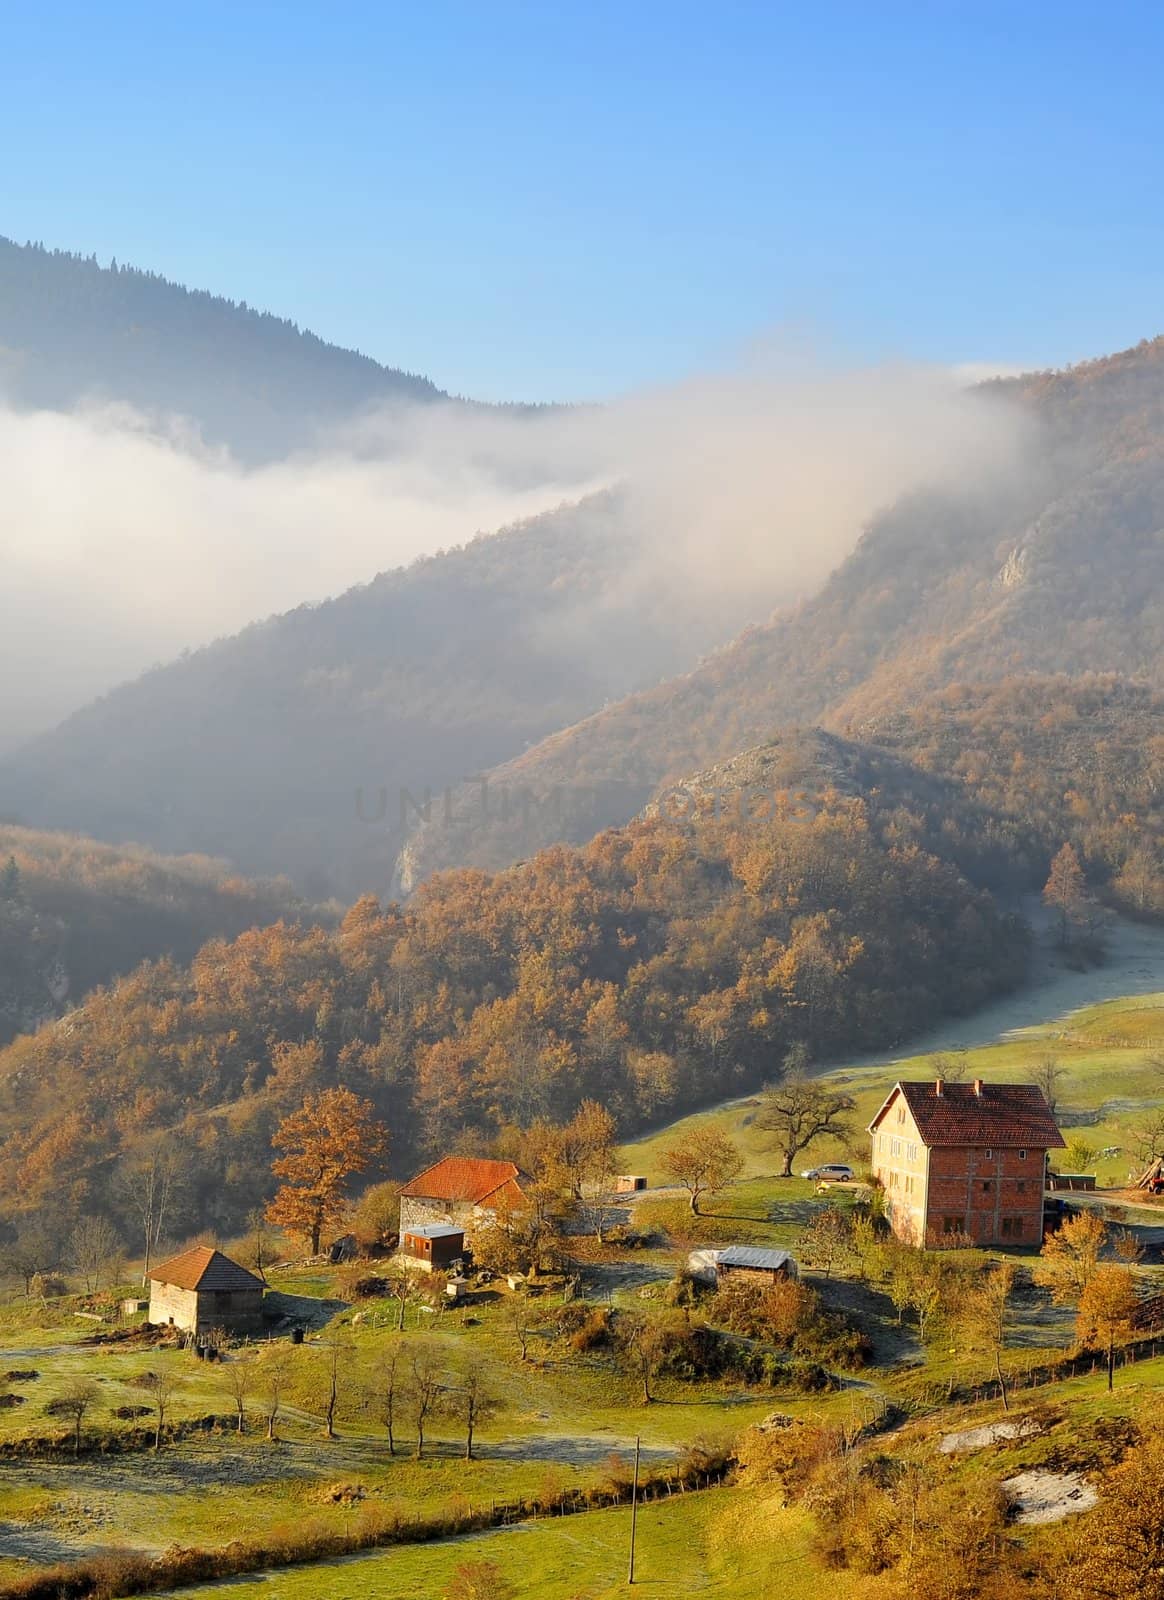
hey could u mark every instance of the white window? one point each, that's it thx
(1022, 1155)
(990, 1155)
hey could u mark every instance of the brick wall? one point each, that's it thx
(995, 1196)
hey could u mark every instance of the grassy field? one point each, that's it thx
(718, 1543)
(1113, 1061)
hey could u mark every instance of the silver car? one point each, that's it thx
(834, 1172)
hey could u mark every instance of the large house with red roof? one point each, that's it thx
(462, 1191)
(964, 1159)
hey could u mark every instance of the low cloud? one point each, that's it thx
(125, 541)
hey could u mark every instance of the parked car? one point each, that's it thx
(832, 1172)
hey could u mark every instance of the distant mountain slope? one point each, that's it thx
(75, 914)
(1053, 759)
(288, 747)
(71, 330)
(657, 969)
(1057, 569)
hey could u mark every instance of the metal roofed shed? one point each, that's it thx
(741, 1260)
(749, 1261)
(432, 1245)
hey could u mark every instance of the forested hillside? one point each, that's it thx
(73, 331)
(75, 914)
(1054, 760)
(658, 968)
(1057, 568)
(288, 747)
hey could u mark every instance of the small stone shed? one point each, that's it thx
(432, 1245)
(202, 1289)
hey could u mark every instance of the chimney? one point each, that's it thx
(978, 1088)
(938, 1087)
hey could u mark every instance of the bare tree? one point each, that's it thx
(161, 1388)
(475, 1402)
(149, 1186)
(1046, 1075)
(520, 1317)
(259, 1240)
(336, 1351)
(240, 1378)
(642, 1342)
(33, 1250)
(274, 1375)
(799, 1111)
(986, 1319)
(952, 1066)
(93, 1245)
(387, 1392)
(402, 1287)
(75, 1400)
(425, 1394)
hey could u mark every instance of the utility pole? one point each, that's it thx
(630, 1571)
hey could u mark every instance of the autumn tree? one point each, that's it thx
(1106, 1310)
(703, 1161)
(1079, 1155)
(1119, 1553)
(588, 1153)
(827, 1239)
(985, 1319)
(1070, 1258)
(642, 1342)
(799, 1111)
(332, 1136)
(478, 1580)
(1065, 892)
(376, 1216)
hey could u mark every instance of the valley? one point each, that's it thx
(558, 1438)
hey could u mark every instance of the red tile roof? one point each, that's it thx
(206, 1270)
(467, 1179)
(982, 1114)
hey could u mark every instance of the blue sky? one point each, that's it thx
(562, 201)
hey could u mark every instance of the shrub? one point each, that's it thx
(48, 1286)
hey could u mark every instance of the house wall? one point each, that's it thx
(994, 1196)
(901, 1161)
(171, 1304)
(238, 1311)
(416, 1212)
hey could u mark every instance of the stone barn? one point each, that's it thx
(464, 1192)
(202, 1290)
